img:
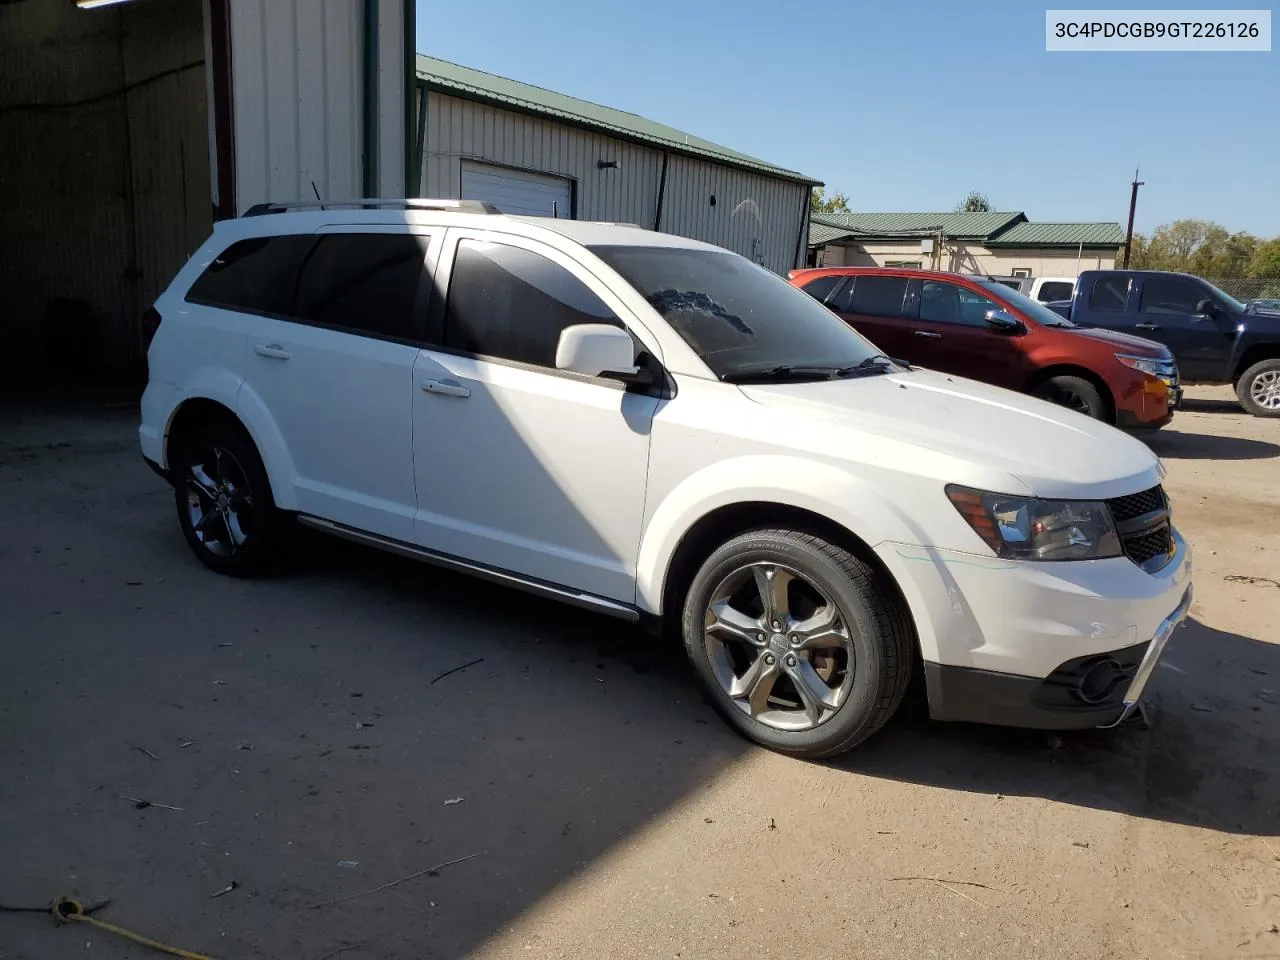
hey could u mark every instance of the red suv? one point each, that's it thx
(979, 328)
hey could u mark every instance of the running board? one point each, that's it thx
(588, 601)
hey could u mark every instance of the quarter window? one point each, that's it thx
(254, 275)
(511, 303)
(1059, 290)
(819, 289)
(1110, 294)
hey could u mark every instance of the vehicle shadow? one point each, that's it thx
(1175, 444)
(1207, 405)
(1209, 758)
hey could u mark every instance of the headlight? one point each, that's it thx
(1023, 528)
(1156, 366)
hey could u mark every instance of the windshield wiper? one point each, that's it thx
(782, 372)
(879, 363)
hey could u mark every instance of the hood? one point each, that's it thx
(1126, 342)
(1051, 451)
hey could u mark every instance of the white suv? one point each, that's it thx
(660, 430)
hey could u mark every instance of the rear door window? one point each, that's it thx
(873, 296)
(366, 282)
(1110, 294)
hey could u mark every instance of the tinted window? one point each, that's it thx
(1170, 295)
(876, 296)
(1109, 294)
(1029, 308)
(366, 282)
(942, 302)
(736, 315)
(511, 303)
(1058, 290)
(255, 275)
(819, 288)
(362, 281)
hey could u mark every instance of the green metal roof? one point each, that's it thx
(958, 226)
(478, 85)
(820, 233)
(1060, 235)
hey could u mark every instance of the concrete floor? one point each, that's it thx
(606, 809)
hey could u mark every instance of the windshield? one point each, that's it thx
(1227, 298)
(739, 318)
(1034, 309)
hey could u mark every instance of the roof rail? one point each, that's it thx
(375, 203)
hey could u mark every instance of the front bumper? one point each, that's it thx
(1097, 690)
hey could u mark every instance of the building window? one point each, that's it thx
(1021, 271)
(906, 264)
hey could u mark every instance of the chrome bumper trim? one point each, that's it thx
(1133, 696)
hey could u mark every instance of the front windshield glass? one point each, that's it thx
(1034, 309)
(1227, 298)
(739, 318)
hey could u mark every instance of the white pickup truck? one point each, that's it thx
(1044, 289)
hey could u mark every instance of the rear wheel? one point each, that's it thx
(1075, 393)
(1259, 389)
(801, 646)
(224, 500)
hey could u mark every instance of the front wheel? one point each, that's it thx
(1075, 393)
(801, 646)
(1259, 389)
(224, 500)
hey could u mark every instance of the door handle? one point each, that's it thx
(927, 333)
(272, 350)
(1146, 326)
(446, 388)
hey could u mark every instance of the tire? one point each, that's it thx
(1259, 388)
(1074, 393)
(768, 690)
(224, 502)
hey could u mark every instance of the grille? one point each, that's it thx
(1136, 504)
(1143, 542)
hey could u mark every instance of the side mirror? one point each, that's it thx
(1204, 308)
(600, 350)
(1003, 322)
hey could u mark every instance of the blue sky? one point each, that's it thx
(909, 105)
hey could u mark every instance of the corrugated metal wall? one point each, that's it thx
(297, 75)
(459, 129)
(104, 171)
(758, 216)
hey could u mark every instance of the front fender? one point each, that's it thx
(778, 479)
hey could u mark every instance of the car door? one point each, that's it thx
(521, 467)
(1201, 343)
(874, 306)
(953, 336)
(331, 373)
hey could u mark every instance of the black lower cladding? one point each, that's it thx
(1081, 693)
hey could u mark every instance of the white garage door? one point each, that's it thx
(518, 192)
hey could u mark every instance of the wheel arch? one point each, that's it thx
(1254, 354)
(1045, 374)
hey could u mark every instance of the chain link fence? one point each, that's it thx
(1248, 288)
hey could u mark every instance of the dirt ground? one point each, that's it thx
(298, 726)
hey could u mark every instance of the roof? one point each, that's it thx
(478, 85)
(1060, 235)
(959, 226)
(993, 229)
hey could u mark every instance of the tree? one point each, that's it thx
(1201, 247)
(975, 202)
(820, 203)
(1265, 262)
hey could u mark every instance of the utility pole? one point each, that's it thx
(1133, 205)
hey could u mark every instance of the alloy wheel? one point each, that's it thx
(219, 501)
(1265, 390)
(779, 646)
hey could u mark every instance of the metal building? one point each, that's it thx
(129, 126)
(532, 151)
